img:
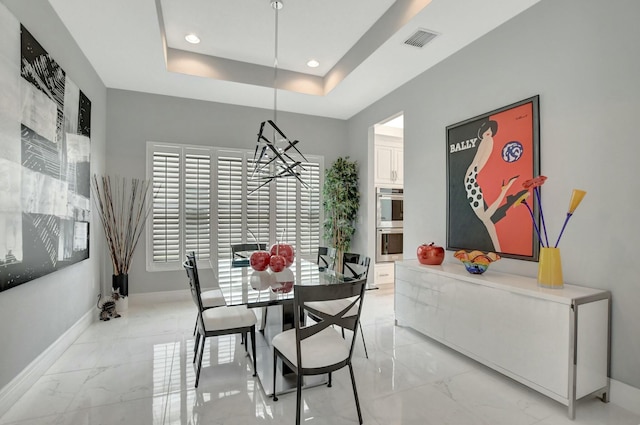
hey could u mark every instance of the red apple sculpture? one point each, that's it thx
(277, 263)
(285, 250)
(259, 260)
(431, 254)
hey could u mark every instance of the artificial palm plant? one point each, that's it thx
(341, 201)
(123, 205)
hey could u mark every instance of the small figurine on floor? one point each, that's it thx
(108, 307)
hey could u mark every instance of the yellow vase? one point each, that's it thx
(550, 268)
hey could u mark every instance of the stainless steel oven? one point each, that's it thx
(389, 244)
(390, 208)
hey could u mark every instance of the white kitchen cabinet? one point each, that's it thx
(555, 341)
(389, 171)
(384, 273)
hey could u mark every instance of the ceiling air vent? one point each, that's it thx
(420, 38)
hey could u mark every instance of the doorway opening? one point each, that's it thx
(389, 196)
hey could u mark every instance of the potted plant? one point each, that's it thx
(123, 206)
(341, 201)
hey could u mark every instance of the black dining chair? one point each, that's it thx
(318, 348)
(240, 253)
(241, 257)
(211, 297)
(326, 258)
(218, 321)
(354, 267)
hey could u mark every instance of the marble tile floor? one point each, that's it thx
(137, 370)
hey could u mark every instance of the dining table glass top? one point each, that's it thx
(244, 286)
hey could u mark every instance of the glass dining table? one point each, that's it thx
(236, 283)
(236, 286)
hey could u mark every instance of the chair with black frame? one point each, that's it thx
(241, 257)
(326, 259)
(354, 267)
(241, 253)
(318, 348)
(210, 298)
(218, 321)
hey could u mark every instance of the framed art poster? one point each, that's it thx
(45, 150)
(488, 159)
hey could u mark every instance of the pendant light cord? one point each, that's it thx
(275, 72)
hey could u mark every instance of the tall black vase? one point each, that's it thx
(120, 283)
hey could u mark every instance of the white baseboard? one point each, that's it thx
(625, 396)
(160, 297)
(15, 389)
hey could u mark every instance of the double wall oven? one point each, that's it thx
(389, 216)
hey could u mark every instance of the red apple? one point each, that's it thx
(259, 260)
(277, 263)
(430, 254)
(285, 250)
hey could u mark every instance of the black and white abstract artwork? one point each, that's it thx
(45, 132)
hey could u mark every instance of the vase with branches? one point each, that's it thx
(123, 206)
(341, 201)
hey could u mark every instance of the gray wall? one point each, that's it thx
(134, 118)
(37, 313)
(581, 57)
(578, 55)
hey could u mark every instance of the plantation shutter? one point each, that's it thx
(258, 203)
(230, 217)
(230, 172)
(197, 201)
(287, 210)
(166, 205)
(206, 199)
(310, 204)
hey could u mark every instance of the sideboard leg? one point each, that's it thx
(573, 360)
(572, 410)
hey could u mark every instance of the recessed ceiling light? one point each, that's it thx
(192, 38)
(313, 63)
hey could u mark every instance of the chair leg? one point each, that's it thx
(195, 327)
(200, 361)
(298, 397)
(264, 319)
(195, 347)
(355, 392)
(366, 354)
(329, 383)
(275, 371)
(253, 349)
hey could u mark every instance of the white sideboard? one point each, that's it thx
(555, 341)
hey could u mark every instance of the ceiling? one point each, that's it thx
(139, 45)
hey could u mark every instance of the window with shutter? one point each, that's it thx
(207, 199)
(165, 220)
(197, 202)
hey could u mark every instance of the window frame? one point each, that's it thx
(214, 154)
